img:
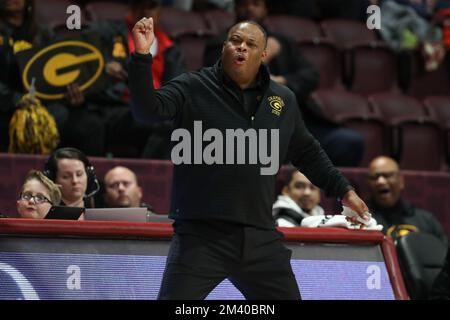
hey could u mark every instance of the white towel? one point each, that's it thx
(338, 221)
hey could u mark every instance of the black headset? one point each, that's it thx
(50, 168)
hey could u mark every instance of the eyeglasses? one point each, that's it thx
(38, 198)
(386, 175)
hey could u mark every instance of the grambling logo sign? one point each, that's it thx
(61, 64)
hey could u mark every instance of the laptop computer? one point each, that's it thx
(124, 214)
(64, 213)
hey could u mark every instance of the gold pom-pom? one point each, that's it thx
(32, 128)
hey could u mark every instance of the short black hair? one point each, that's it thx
(260, 27)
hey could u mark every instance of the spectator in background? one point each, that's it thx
(122, 189)
(115, 105)
(403, 29)
(18, 32)
(425, 8)
(388, 208)
(71, 169)
(288, 67)
(37, 196)
(299, 199)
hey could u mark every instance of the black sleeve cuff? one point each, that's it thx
(142, 57)
(344, 192)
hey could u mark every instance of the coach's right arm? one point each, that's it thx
(150, 106)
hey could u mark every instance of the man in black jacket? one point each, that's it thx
(222, 209)
(289, 67)
(398, 216)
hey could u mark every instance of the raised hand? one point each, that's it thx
(143, 35)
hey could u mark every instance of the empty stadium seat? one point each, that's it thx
(106, 10)
(421, 258)
(219, 20)
(298, 29)
(372, 69)
(320, 51)
(347, 33)
(176, 22)
(369, 65)
(416, 139)
(422, 83)
(192, 47)
(324, 56)
(420, 145)
(438, 107)
(353, 111)
(395, 105)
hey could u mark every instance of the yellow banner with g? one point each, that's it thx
(61, 63)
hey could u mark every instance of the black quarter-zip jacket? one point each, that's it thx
(229, 192)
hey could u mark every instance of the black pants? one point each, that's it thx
(203, 254)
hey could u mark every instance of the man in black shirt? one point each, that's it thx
(398, 216)
(287, 65)
(222, 210)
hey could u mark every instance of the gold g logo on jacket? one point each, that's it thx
(277, 104)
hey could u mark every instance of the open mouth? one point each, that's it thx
(384, 191)
(239, 60)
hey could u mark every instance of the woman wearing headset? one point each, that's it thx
(71, 169)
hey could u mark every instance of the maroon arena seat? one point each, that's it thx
(395, 105)
(438, 107)
(417, 141)
(422, 83)
(176, 22)
(106, 10)
(192, 47)
(352, 110)
(369, 65)
(325, 57)
(219, 20)
(298, 29)
(372, 69)
(347, 33)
